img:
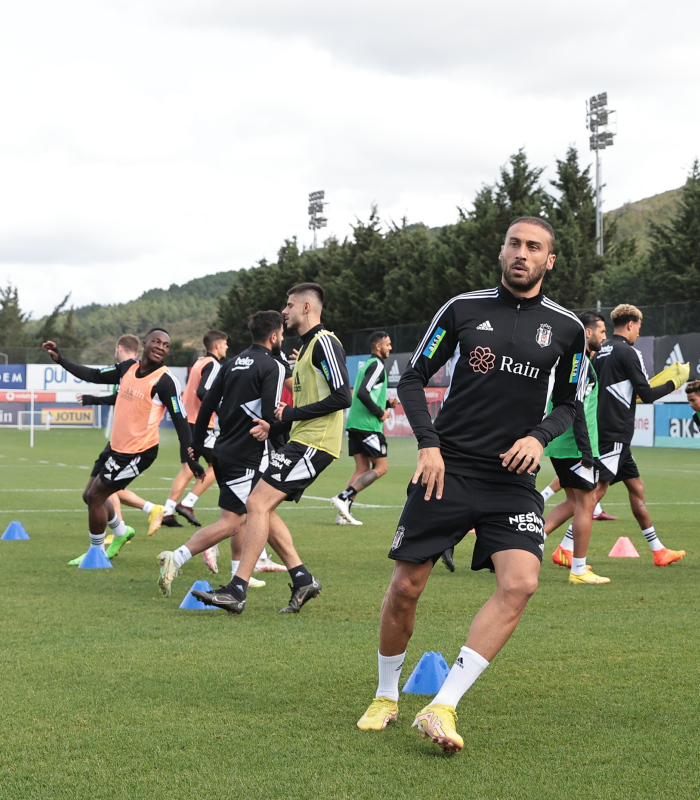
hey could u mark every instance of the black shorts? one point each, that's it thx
(235, 484)
(617, 462)
(507, 516)
(119, 469)
(366, 443)
(294, 467)
(573, 475)
(207, 452)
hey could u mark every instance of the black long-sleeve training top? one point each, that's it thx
(508, 356)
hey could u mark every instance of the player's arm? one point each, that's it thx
(98, 399)
(210, 404)
(167, 389)
(329, 358)
(266, 425)
(108, 375)
(634, 367)
(209, 373)
(373, 376)
(435, 349)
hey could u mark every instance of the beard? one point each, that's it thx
(523, 283)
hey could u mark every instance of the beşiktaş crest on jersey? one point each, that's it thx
(543, 337)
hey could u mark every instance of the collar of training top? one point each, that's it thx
(309, 335)
(511, 300)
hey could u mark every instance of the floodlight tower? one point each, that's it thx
(598, 117)
(316, 204)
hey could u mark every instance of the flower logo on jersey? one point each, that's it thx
(481, 359)
(543, 337)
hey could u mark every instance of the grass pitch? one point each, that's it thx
(111, 691)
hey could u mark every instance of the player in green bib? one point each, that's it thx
(365, 427)
(573, 456)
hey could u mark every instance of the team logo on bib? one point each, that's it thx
(544, 335)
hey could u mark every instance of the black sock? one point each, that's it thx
(237, 587)
(348, 494)
(300, 576)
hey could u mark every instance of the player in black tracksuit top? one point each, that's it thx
(247, 389)
(622, 377)
(510, 348)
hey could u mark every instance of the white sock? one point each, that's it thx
(98, 539)
(652, 539)
(389, 675)
(578, 566)
(234, 567)
(567, 543)
(190, 500)
(117, 525)
(597, 510)
(466, 669)
(182, 555)
(169, 507)
(547, 492)
(147, 507)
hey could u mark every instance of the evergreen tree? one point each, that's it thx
(12, 320)
(674, 260)
(572, 215)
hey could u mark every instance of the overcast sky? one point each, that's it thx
(150, 142)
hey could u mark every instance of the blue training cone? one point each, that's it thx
(428, 676)
(95, 558)
(191, 603)
(14, 532)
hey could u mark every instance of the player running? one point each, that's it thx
(320, 386)
(247, 388)
(146, 389)
(622, 377)
(202, 375)
(365, 427)
(477, 462)
(599, 514)
(574, 455)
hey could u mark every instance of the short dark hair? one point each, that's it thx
(129, 342)
(589, 318)
(692, 387)
(263, 323)
(300, 288)
(213, 336)
(153, 330)
(377, 336)
(537, 221)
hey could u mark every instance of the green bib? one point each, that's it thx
(564, 446)
(309, 385)
(360, 418)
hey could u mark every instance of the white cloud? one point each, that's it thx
(148, 143)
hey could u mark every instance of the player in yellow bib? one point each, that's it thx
(321, 390)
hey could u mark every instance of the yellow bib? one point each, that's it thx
(309, 386)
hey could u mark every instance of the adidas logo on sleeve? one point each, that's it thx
(485, 326)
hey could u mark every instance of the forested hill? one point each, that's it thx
(187, 311)
(634, 219)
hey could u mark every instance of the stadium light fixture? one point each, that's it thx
(598, 118)
(316, 205)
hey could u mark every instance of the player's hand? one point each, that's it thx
(385, 415)
(293, 357)
(79, 399)
(393, 402)
(196, 468)
(432, 469)
(260, 431)
(279, 410)
(523, 456)
(52, 349)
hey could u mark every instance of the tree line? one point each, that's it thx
(395, 273)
